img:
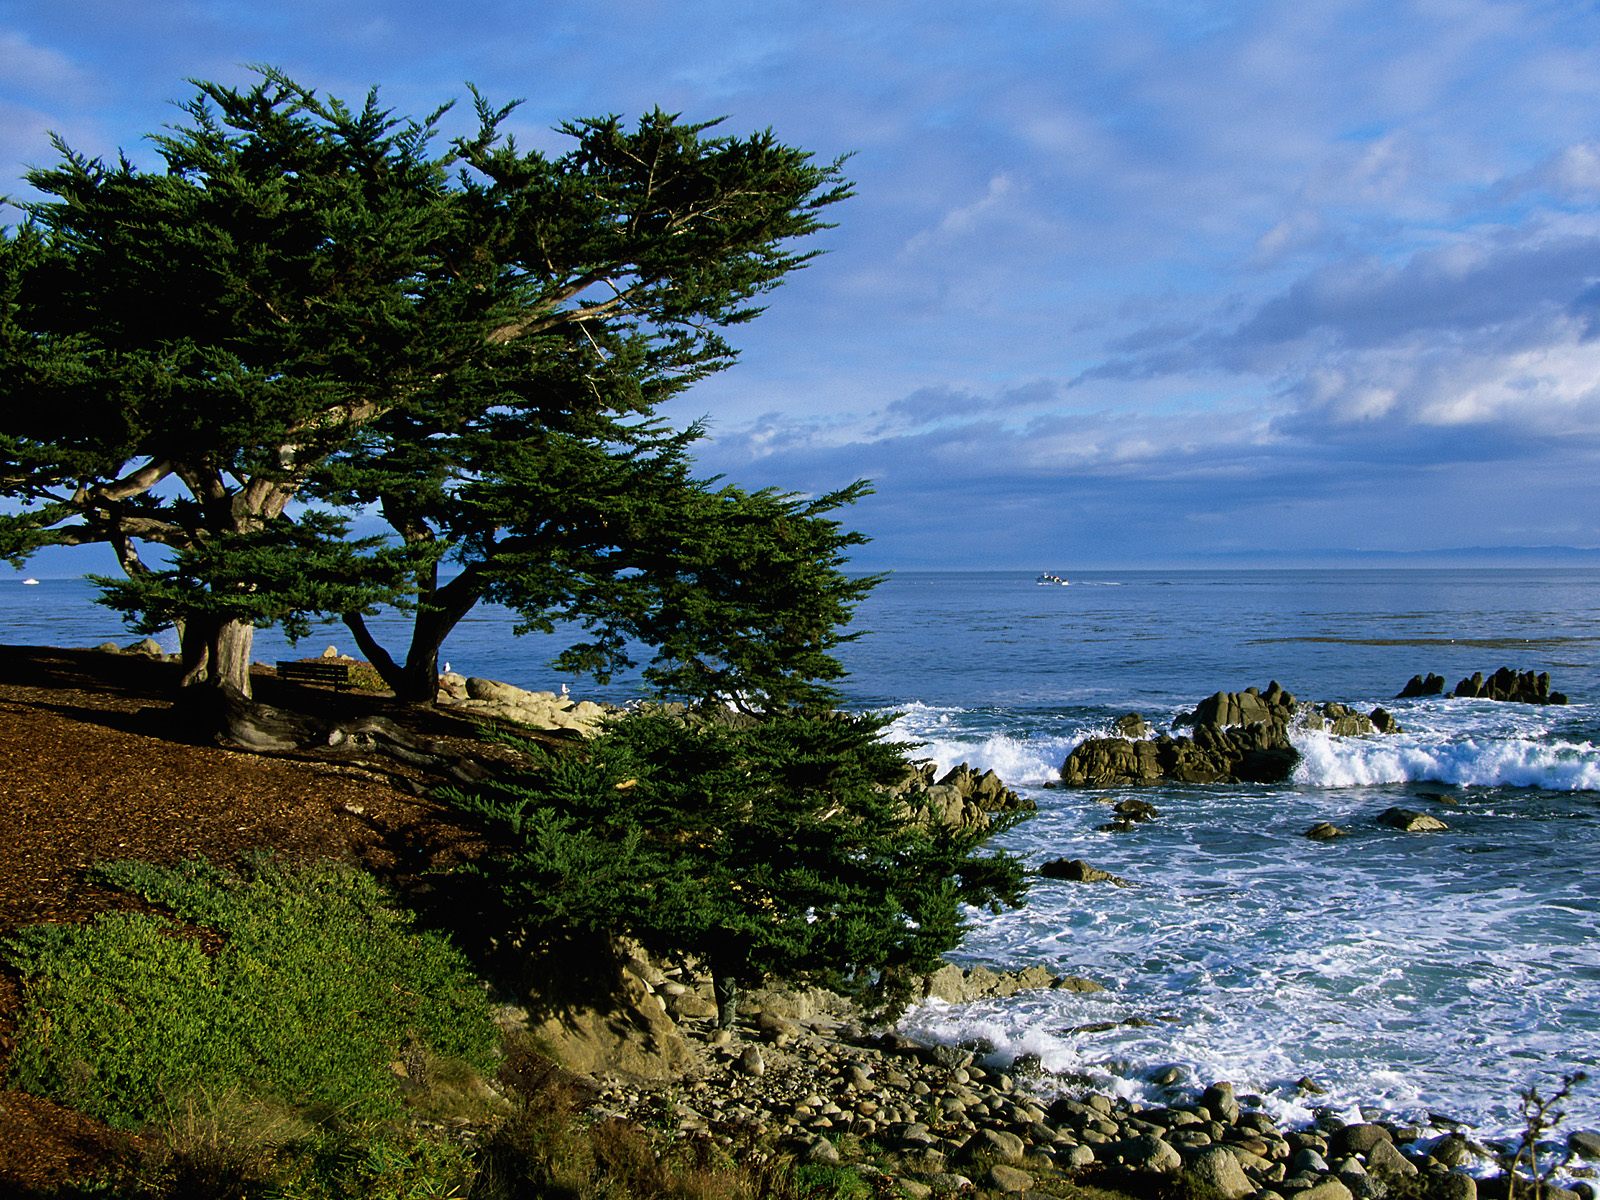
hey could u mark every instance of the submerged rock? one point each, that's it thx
(1408, 820)
(1075, 870)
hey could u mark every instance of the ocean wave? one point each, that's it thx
(1465, 761)
(951, 736)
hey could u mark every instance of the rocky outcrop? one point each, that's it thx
(489, 699)
(1519, 687)
(1418, 686)
(1505, 684)
(1238, 737)
(144, 648)
(1326, 831)
(963, 799)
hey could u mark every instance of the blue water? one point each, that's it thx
(1424, 972)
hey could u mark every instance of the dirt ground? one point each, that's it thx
(93, 767)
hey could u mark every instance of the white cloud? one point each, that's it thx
(963, 222)
(26, 67)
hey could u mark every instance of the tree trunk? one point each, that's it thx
(439, 610)
(726, 990)
(216, 652)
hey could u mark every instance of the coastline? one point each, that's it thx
(798, 1069)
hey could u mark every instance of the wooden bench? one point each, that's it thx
(316, 671)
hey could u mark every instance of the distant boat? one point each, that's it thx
(1048, 579)
(30, 583)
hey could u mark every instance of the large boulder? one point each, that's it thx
(1215, 1171)
(594, 1017)
(958, 985)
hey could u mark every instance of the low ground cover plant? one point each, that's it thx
(300, 985)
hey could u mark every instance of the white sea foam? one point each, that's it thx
(1476, 761)
(950, 736)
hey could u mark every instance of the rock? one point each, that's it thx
(956, 985)
(1222, 1103)
(1005, 1147)
(1386, 1162)
(1309, 1161)
(1326, 831)
(1358, 1138)
(1328, 1189)
(1508, 685)
(751, 1062)
(1584, 1143)
(1417, 686)
(1075, 1158)
(1076, 870)
(1132, 726)
(1148, 1154)
(1410, 821)
(961, 800)
(823, 1151)
(1136, 810)
(1238, 737)
(1383, 721)
(1453, 1150)
(148, 647)
(779, 1030)
(1216, 1171)
(492, 699)
(596, 1018)
(1455, 1185)
(1009, 1179)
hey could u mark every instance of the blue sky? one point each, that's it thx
(1126, 282)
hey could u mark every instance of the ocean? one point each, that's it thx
(1418, 974)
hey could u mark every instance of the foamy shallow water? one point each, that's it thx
(1418, 973)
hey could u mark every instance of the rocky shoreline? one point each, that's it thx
(800, 1072)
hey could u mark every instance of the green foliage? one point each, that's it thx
(318, 985)
(768, 847)
(311, 299)
(740, 596)
(376, 1162)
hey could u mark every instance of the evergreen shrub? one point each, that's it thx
(767, 847)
